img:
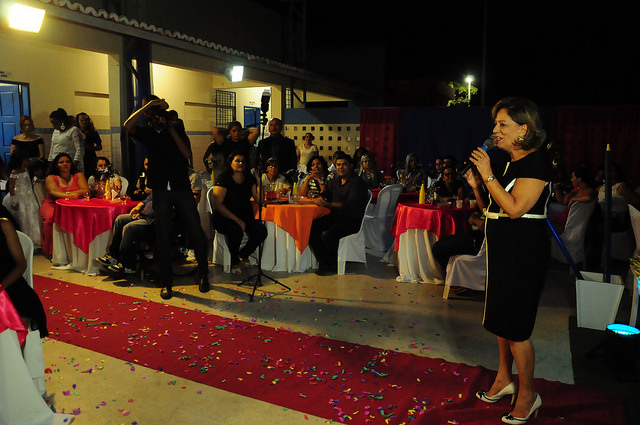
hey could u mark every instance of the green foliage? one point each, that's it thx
(461, 96)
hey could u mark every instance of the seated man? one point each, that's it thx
(346, 196)
(128, 231)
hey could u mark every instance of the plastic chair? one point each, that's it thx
(125, 185)
(469, 271)
(574, 234)
(33, 350)
(352, 248)
(377, 224)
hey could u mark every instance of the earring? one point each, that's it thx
(62, 127)
(520, 139)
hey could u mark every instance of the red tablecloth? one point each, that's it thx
(404, 196)
(443, 221)
(295, 219)
(87, 219)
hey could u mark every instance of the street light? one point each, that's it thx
(25, 18)
(469, 80)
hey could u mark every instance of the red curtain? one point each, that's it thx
(585, 133)
(380, 133)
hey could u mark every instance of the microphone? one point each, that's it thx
(489, 143)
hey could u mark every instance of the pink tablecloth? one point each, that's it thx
(87, 219)
(442, 221)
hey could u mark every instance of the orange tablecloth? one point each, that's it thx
(295, 219)
(87, 219)
(442, 221)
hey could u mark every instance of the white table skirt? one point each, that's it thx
(280, 253)
(414, 258)
(20, 401)
(66, 252)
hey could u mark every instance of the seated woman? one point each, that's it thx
(368, 172)
(582, 192)
(102, 173)
(66, 182)
(142, 189)
(413, 174)
(314, 183)
(449, 188)
(12, 266)
(232, 210)
(621, 196)
(271, 180)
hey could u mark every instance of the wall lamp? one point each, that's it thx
(235, 73)
(25, 18)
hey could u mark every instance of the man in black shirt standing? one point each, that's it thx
(347, 197)
(169, 179)
(279, 147)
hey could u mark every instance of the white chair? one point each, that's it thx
(377, 224)
(125, 185)
(221, 254)
(33, 354)
(351, 247)
(468, 271)
(574, 234)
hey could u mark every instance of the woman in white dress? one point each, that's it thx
(21, 200)
(66, 138)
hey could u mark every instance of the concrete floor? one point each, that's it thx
(369, 305)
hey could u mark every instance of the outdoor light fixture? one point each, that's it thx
(25, 18)
(469, 80)
(622, 350)
(235, 73)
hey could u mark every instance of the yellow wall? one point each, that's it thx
(56, 75)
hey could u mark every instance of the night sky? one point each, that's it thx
(555, 52)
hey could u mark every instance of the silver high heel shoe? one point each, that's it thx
(508, 390)
(510, 419)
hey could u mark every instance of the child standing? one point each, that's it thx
(21, 200)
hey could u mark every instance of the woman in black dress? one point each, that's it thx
(12, 266)
(92, 141)
(232, 210)
(517, 247)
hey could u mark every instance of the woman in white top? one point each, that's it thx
(306, 151)
(66, 138)
(271, 180)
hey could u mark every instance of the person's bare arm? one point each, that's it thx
(15, 249)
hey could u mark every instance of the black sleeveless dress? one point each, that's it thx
(23, 297)
(517, 256)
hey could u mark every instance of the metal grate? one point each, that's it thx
(225, 107)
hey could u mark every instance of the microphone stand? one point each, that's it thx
(257, 278)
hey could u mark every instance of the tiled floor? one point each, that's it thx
(366, 306)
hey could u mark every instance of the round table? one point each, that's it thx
(416, 227)
(82, 229)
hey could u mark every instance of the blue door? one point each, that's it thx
(251, 117)
(9, 117)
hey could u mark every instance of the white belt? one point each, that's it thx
(495, 215)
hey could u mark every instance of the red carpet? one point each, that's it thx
(331, 379)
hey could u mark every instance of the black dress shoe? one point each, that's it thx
(166, 293)
(325, 271)
(204, 284)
